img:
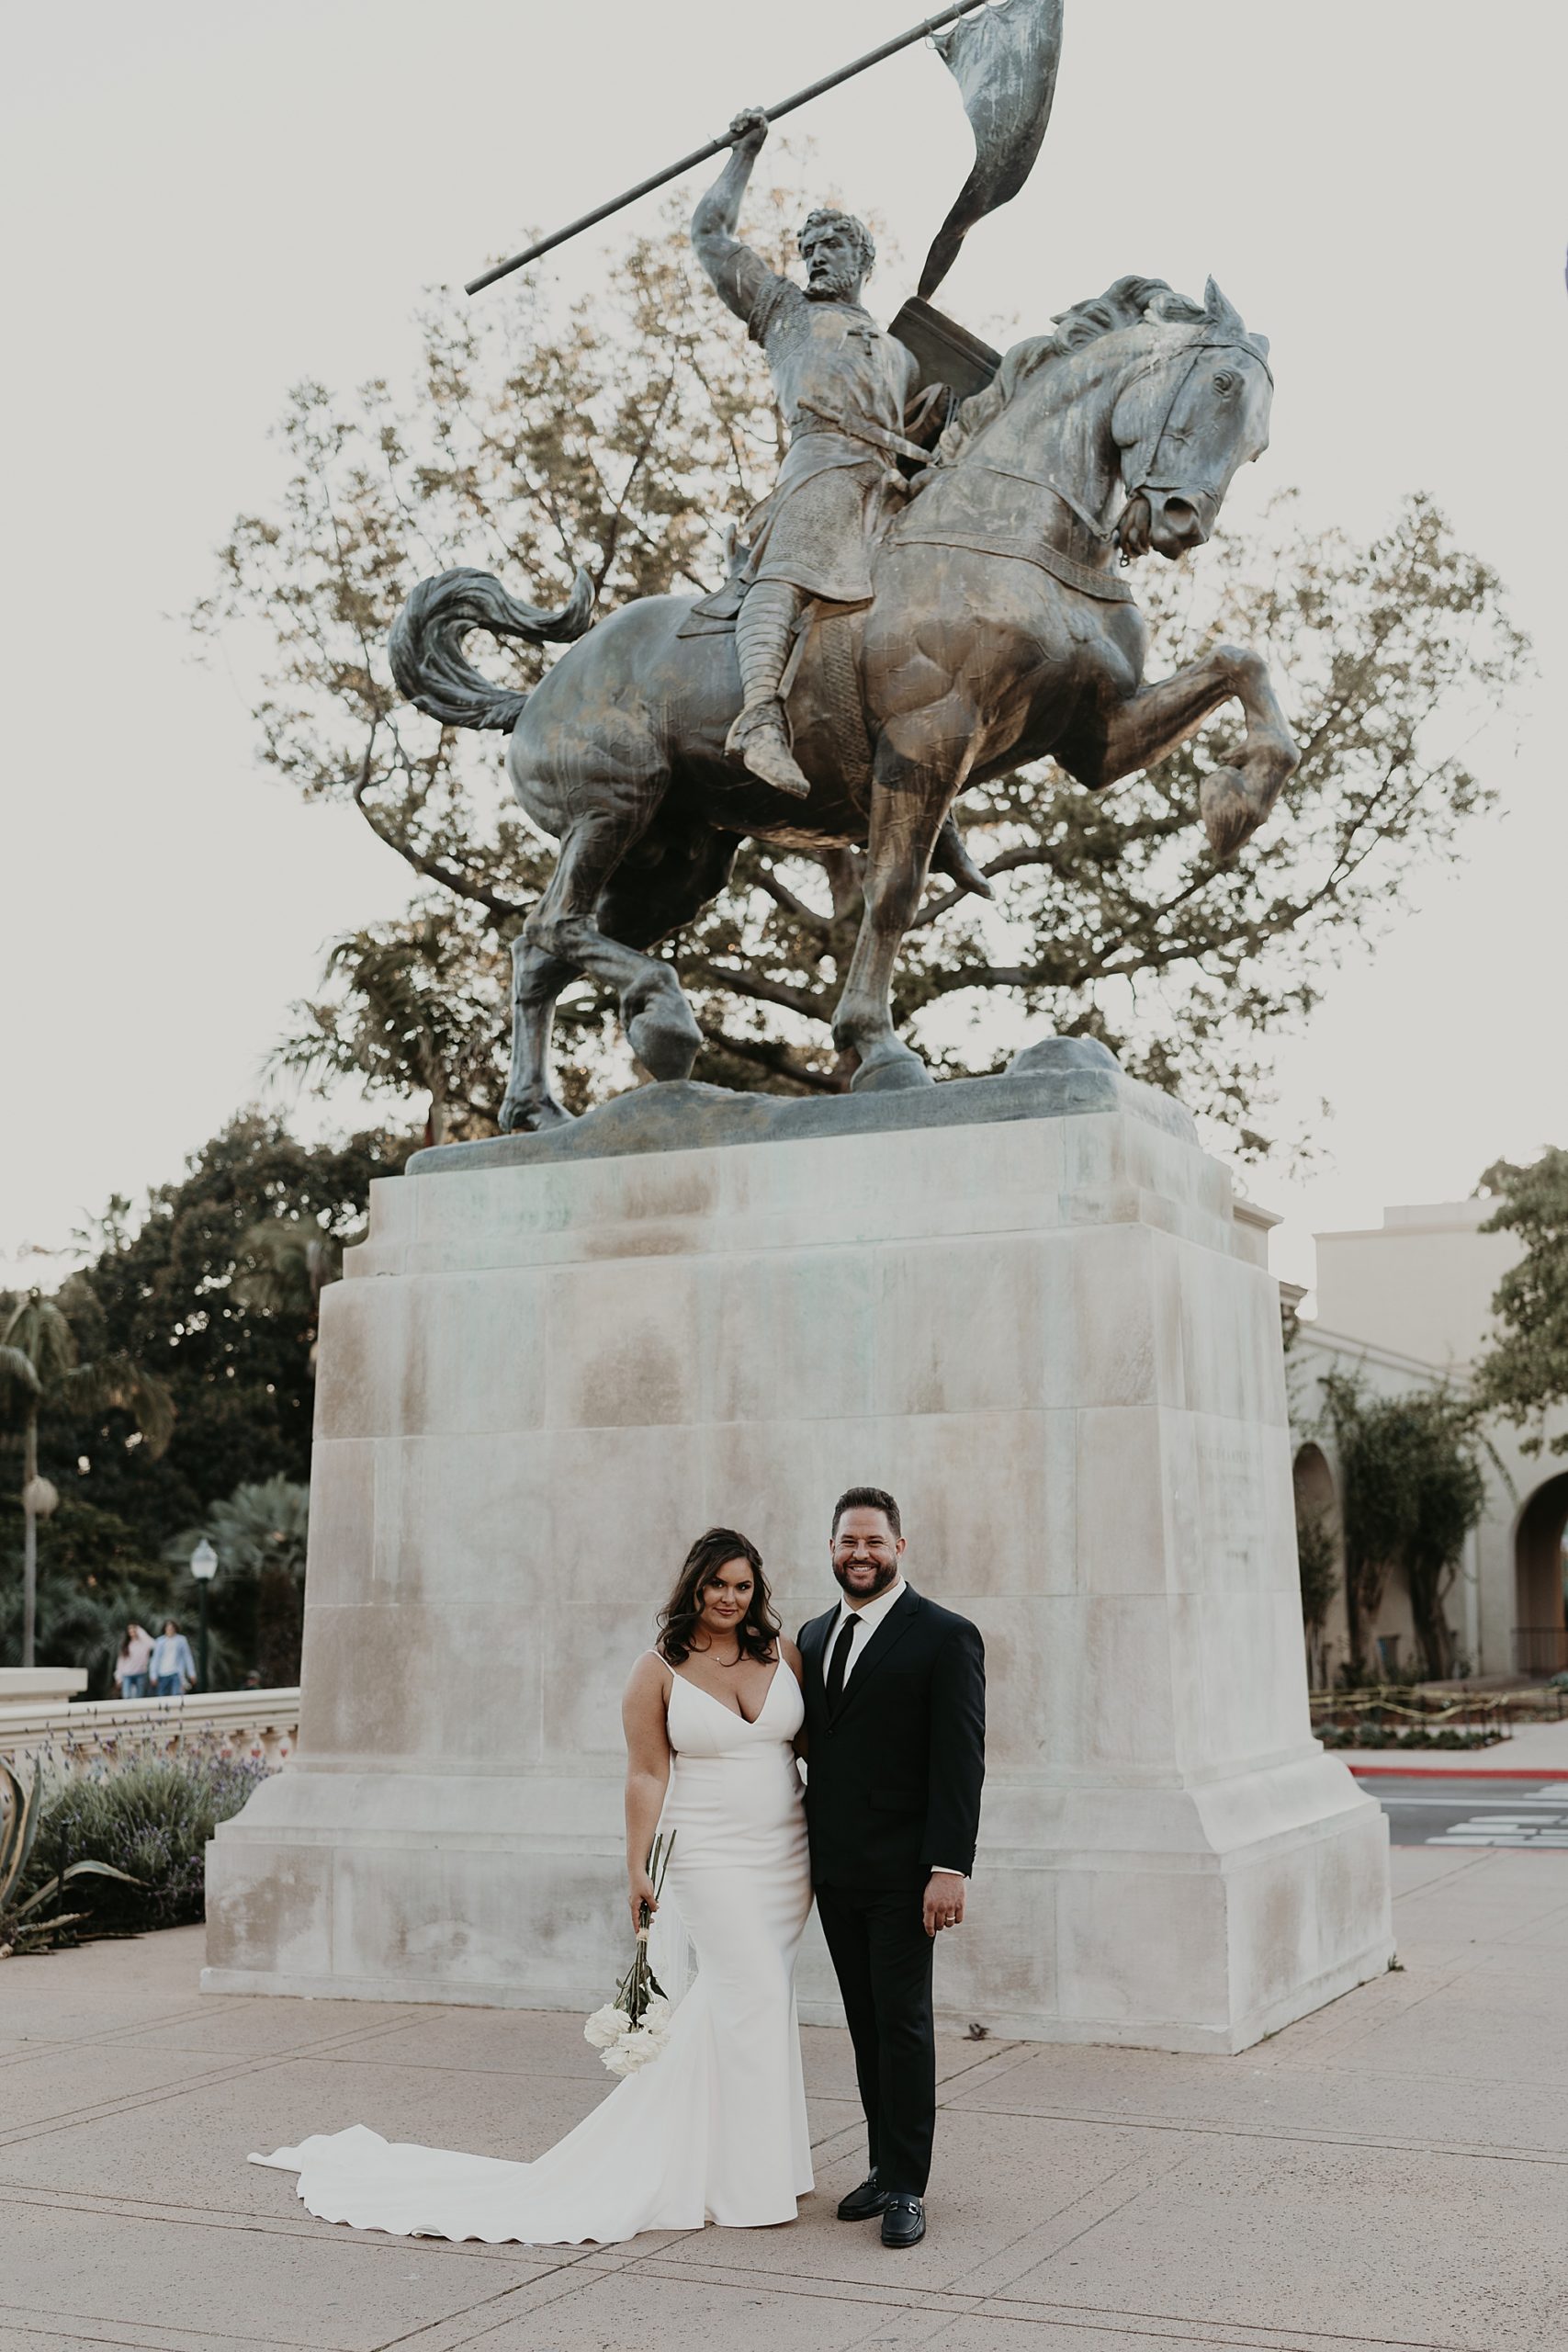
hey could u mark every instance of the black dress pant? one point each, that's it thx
(883, 1957)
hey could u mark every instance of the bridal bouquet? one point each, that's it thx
(634, 2027)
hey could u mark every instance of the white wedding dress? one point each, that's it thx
(715, 2129)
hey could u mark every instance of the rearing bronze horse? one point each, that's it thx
(1000, 631)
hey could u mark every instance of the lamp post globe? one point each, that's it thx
(203, 1567)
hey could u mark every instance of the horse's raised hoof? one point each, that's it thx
(892, 1071)
(665, 1038)
(520, 1116)
(1231, 813)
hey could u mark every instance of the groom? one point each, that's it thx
(896, 1717)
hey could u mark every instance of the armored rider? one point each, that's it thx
(848, 395)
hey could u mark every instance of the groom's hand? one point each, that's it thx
(944, 1901)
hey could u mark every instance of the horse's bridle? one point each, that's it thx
(1212, 498)
(1208, 496)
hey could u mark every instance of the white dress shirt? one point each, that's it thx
(865, 1621)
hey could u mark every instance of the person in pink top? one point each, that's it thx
(132, 1665)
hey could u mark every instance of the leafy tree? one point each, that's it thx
(257, 1597)
(42, 1366)
(1525, 1373)
(1317, 1565)
(632, 431)
(1410, 1492)
(217, 1289)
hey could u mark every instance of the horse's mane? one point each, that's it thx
(1127, 303)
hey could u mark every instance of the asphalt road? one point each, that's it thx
(1428, 1809)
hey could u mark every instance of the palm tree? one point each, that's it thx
(39, 1364)
(260, 1534)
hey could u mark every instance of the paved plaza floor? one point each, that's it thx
(1390, 2173)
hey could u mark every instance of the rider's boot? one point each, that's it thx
(764, 630)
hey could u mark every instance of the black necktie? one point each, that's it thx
(837, 1664)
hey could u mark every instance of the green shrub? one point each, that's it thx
(153, 1819)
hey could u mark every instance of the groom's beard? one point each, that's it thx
(884, 1572)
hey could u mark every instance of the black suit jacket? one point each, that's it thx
(893, 1780)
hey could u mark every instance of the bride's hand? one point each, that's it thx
(639, 1891)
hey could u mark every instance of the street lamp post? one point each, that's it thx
(40, 1497)
(203, 1567)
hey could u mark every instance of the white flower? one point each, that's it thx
(633, 2050)
(657, 2014)
(606, 2027)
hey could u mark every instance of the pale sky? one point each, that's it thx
(213, 200)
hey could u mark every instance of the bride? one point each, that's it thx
(713, 2130)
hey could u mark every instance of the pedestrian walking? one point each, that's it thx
(173, 1667)
(133, 1663)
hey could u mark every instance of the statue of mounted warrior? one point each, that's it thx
(933, 595)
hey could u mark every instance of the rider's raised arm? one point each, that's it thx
(740, 275)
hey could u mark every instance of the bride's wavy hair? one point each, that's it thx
(679, 1618)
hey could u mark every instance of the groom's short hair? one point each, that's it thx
(868, 1499)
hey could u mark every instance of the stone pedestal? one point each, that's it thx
(1029, 1308)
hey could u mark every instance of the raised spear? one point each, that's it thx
(718, 146)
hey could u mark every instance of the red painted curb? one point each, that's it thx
(1444, 1772)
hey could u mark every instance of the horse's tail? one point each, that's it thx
(427, 644)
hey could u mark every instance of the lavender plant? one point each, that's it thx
(150, 1819)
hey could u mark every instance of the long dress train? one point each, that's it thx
(715, 2129)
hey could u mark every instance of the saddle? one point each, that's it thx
(827, 636)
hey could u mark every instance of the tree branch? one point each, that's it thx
(782, 895)
(767, 1054)
(741, 982)
(435, 869)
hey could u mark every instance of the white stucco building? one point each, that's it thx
(1408, 1306)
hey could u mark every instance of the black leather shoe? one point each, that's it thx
(865, 2203)
(903, 2221)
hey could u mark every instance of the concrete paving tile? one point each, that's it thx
(340, 2293)
(832, 2121)
(1317, 2040)
(1250, 2094)
(995, 2178)
(1442, 1917)
(1413, 1867)
(1515, 1960)
(638, 2311)
(37, 2014)
(192, 2150)
(256, 2028)
(1502, 1889)
(491, 2041)
(55, 2339)
(1007, 2332)
(44, 2334)
(1549, 1933)
(168, 1962)
(1485, 2028)
(1405, 2248)
(71, 2081)
(830, 2062)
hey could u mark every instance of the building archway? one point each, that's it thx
(1540, 1635)
(1322, 1562)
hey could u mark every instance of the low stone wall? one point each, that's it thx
(73, 1740)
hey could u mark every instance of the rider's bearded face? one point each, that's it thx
(833, 267)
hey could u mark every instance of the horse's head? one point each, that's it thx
(1186, 416)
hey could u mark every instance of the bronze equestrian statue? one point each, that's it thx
(845, 390)
(895, 630)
